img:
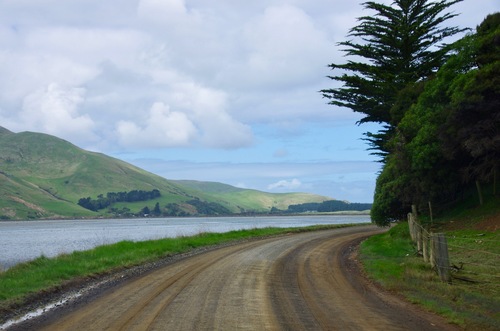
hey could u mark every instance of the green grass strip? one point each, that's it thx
(43, 273)
(385, 255)
(390, 258)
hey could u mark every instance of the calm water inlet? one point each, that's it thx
(22, 241)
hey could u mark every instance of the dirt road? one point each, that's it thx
(297, 282)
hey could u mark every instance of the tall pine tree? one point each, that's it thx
(396, 46)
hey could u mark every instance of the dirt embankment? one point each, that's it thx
(307, 281)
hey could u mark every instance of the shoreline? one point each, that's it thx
(334, 213)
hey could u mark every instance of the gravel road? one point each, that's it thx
(307, 281)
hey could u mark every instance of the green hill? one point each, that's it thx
(251, 199)
(42, 176)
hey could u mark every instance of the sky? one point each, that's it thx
(210, 90)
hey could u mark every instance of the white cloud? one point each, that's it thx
(88, 45)
(208, 109)
(54, 110)
(66, 56)
(24, 73)
(171, 21)
(162, 128)
(218, 64)
(285, 185)
(162, 12)
(282, 48)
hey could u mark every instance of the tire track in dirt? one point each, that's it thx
(139, 304)
(143, 314)
(294, 282)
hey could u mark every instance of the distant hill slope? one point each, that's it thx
(252, 199)
(42, 176)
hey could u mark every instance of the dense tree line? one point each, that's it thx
(209, 208)
(174, 209)
(449, 137)
(439, 103)
(198, 207)
(328, 206)
(103, 202)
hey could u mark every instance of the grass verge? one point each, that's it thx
(472, 300)
(44, 274)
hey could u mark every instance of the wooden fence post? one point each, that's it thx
(411, 227)
(425, 246)
(440, 254)
(414, 211)
(420, 235)
(432, 255)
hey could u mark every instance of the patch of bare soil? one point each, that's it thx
(28, 204)
(491, 223)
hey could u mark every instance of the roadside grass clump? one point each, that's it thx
(48, 274)
(385, 256)
(472, 300)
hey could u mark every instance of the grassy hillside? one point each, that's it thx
(251, 199)
(42, 176)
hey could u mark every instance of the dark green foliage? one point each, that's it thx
(387, 204)
(449, 136)
(399, 45)
(111, 197)
(173, 209)
(145, 211)
(208, 208)
(328, 206)
(489, 40)
(156, 209)
(275, 210)
(478, 120)
(196, 207)
(123, 212)
(474, 115)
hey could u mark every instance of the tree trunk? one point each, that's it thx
(478, 186)
(430, 213)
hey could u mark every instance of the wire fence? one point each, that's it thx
(475, 239)
(458, 257)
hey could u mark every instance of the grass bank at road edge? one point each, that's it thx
(471, 301)
(46, 274)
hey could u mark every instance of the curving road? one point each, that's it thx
(296, 282)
